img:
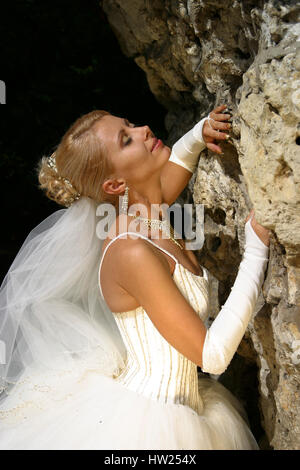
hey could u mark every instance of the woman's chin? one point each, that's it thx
(168, 151)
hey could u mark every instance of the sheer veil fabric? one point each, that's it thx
(53, 320)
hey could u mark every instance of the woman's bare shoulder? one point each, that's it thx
(126, 247)
(135, 256)
(121, 242)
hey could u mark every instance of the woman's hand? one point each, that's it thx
(212, 129)
(261, 232)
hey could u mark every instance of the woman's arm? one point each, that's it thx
(185, 153)
(225, 333)
(146, 276)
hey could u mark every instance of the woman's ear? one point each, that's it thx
(114, 186)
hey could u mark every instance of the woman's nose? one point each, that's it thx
(148, 132)
(144, 131)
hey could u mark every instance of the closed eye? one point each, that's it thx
(130, 139)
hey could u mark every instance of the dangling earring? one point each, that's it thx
(124, 207)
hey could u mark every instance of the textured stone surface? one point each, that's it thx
(196, 55)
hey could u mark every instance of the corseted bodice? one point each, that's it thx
(154, 368)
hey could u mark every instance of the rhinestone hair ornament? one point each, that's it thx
(52, 164)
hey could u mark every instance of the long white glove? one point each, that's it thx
(186, 151)
(228, 328)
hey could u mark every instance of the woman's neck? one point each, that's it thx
(127, 223)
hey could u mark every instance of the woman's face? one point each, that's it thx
(130, 150)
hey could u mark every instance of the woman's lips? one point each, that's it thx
(158, 143)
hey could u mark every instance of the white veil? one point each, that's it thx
(53, 320)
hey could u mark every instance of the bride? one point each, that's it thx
(101, 336)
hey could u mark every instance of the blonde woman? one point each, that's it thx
(101, 337)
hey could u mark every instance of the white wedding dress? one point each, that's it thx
(156, 402)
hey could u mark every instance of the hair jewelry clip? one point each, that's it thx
(51, 162)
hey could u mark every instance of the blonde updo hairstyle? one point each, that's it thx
(81, 159)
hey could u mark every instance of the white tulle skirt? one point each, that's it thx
(97, 412)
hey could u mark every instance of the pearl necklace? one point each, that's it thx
(162, 225)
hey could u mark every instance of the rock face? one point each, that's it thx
(197, 55)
